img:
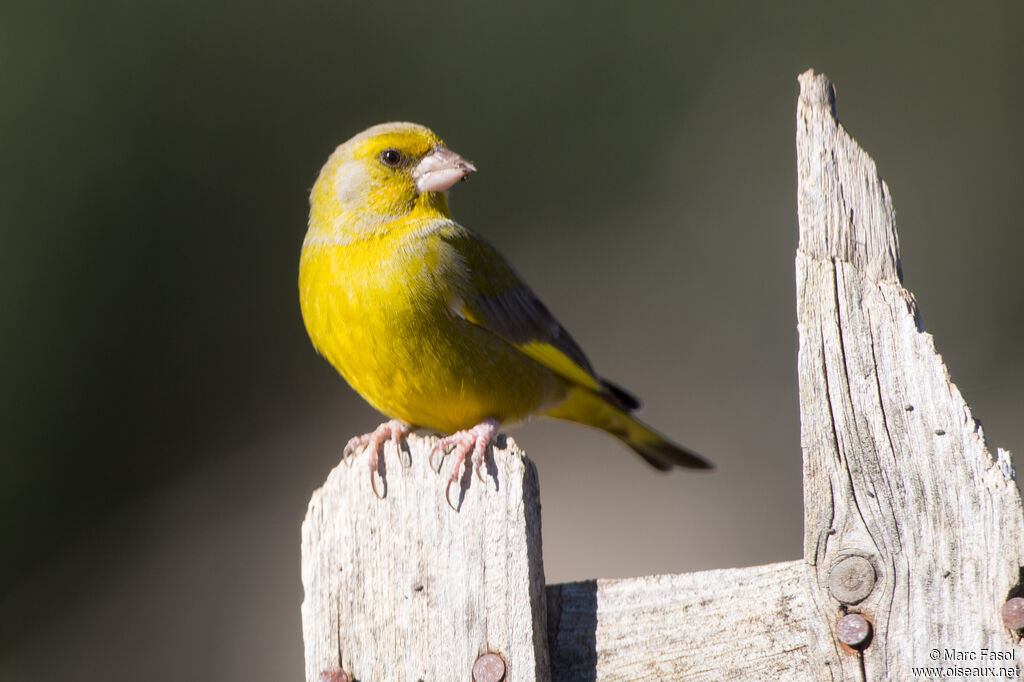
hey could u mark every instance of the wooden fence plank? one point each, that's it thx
(731, 624)
(896, 470)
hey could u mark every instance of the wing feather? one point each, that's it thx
(494, 297)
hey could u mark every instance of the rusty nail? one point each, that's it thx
(852, 579)
(853, 630)
(334, 675)
(1013, 613)
(489, 668)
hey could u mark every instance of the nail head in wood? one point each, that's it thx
(334, 675)
(1013, 613)
(853, 630)
(489, 668)
(852, 579)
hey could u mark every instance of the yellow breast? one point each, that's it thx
(381, 309)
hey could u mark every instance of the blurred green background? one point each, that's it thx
(165, 417)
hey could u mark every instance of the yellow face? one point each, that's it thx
(382, 175)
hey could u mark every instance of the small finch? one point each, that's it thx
(429, 323)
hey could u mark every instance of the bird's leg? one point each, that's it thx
(393, 430)
(462, 443)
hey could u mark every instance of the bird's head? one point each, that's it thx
(383, 174)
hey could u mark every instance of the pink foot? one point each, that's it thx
(461, 443)
(393, 430)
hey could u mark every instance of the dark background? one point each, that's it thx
(165, 417)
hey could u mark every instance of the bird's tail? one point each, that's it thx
(586, 407)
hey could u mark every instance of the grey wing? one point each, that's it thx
(495, 298)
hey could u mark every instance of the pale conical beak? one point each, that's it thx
(439, 170)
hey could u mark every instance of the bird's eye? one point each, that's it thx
(391, 157)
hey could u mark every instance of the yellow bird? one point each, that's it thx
(428, 322)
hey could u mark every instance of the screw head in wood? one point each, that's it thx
(1013, 613)
(852, 579)
(853, 630)
(489, 668)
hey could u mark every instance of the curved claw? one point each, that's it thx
(462, 443)
(373, 484)
(352, 445)
(439, 447)
(393, 430)
(447, 495)
(375, 459)
(404, 456)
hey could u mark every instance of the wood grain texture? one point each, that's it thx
(896, 468)
(405, 588)
(730, 624)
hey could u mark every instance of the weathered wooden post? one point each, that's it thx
(914, 532)
(405, 588)
(908, 518)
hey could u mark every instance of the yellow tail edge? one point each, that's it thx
(583, 406)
